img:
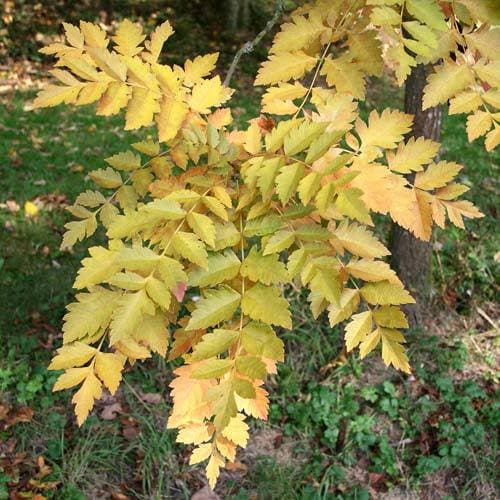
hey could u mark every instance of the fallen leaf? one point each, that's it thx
(206, 493)
(110, 412)
(30, 210)
(152, 398)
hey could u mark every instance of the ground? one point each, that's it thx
(338, 427)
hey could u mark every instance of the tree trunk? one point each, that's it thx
(411, 257)
(233, 15)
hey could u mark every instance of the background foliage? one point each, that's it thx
(332, 432)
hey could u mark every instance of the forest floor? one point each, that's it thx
(338, 427)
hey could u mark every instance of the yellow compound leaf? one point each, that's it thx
(413, 212)
(108, 367)
(90, 199)
(215, 206)
(72, 355)
(253, 139)
(402, 60)
(148, 147)
(274, 139)
(385, 16)
(358, 329)
(226, 448)
(265, 303)
(279, 100)
(488, 72)
(83, 399)
(218, 305)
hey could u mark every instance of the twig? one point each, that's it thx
(249, 47)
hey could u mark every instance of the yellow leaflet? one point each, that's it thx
(207, 94)
(170, 118)
(284, 67)
(357, 329)
(109, 368)
(219, 304)
(448, 80)
(72, 355)
(237, 430)
(90, 390)
(265, 303)
(198, 68)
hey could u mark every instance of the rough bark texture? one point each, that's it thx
(411, 257)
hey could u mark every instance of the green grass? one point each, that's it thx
(335, 423)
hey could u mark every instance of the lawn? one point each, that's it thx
(338, 427)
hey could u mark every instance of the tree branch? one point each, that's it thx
(249, 47)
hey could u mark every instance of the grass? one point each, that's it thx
(338, 428)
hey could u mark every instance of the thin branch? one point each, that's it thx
(249, 47)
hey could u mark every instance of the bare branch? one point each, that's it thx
(249, 47)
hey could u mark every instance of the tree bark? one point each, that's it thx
(411, 257)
